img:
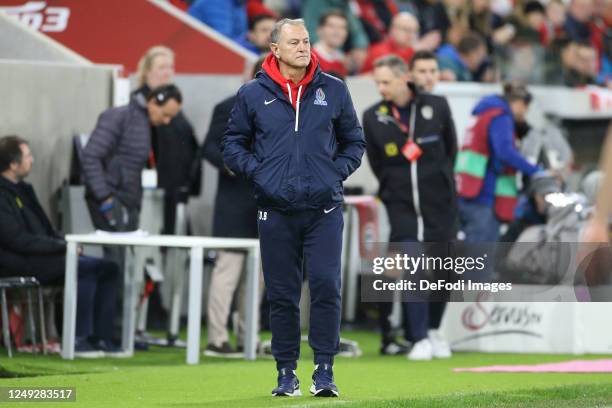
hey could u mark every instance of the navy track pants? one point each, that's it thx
(293, 244)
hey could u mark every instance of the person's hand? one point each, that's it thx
(429, 41)
(504, 34)
(447, 75)
(106, 208)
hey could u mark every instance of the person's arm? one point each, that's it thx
(597, 230)
(238, 138)
(372, 148)
(15, 237)
(349, 135)
(101, 144)
(211, 150)
(501, 131)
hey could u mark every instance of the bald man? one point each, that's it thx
(402, 41)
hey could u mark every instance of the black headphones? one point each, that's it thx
(164, 93)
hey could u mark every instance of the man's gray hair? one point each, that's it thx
(395, 64)
(275, 35)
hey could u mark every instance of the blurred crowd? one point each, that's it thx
(554, 42)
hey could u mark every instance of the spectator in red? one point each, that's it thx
(256, 8)
(257, 39)
(376, 16)
(332, 33)
(403, 37)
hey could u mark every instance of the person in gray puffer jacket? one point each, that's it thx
(117, 153)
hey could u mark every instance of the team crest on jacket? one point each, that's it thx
(320, 98)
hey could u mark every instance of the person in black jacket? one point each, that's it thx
(417, 189)
(117, 153)
(235, 217)
(30, 246)
(174, 147)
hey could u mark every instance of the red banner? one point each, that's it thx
(120, 31)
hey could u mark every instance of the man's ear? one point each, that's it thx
(274, 49)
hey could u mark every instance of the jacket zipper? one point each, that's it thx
(414, 180)
(297, 119)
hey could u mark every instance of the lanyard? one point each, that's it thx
(152, 161)
(409, 131)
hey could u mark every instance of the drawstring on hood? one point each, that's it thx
(270, 66)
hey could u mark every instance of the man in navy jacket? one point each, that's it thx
(294, 134)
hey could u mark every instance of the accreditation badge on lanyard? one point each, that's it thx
(410, 149)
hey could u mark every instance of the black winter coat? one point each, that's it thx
(116, 154)
(235, 207)
(28, 243)
(177, 162)
(427, 209)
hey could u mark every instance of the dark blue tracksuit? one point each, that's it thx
(297, 158)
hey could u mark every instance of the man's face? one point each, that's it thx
(23, 168)
(162, 115)
(334, 32)
(586, 60)
(293, 48)
(388, 83)
(425, 74)
(404, 30)
(581, 10)
(475, 58)
(519, 109)
(161, 72)
(260, 35)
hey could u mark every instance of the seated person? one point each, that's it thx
(29, 246)
(461, 62)
(257, 39)
(332, 31)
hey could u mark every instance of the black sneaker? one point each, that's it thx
(110, 349)
(84, 349)
(288, 384)
(323, 382)
(394, 348)
(225, 350)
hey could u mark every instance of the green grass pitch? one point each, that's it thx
(160, 378)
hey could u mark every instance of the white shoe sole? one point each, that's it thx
(419, 358)
(323, 392)
(211, 353)
(296, 393)
(89, 354)
(442, 355)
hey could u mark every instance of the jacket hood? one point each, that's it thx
(491, 102)
(138, 98)
(270, 67)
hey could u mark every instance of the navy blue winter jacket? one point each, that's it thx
(296, 159)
